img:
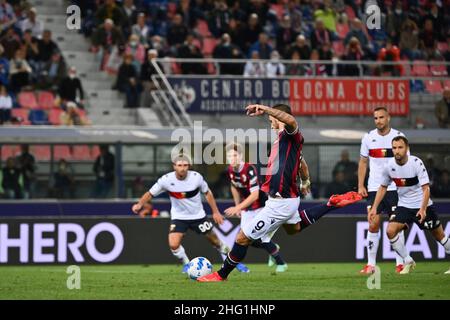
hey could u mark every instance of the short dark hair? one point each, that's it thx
(234, 146)
(283, 107)
(398, 138)
(381, 108)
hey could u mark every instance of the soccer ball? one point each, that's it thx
(199, 267)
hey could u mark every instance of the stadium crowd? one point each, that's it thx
(36, 84)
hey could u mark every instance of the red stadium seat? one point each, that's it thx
(81, 153)
(202, 28)
(278, 9)
(433, 86)
(9, 151)
(420, 68)
(350, 12)
(211, 68)
(208, 45)
(41, 153)
(27, 100)
(442, 47)
(95, 152)
(46, 100)
(338, 47)
(54, 116)
(176, 69)
(342, 29)
(21, 113)
(438, 70)
(62, 152)
(447, 84)
(172, 7)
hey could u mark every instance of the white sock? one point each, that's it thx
(400, 248)
(181, 254)
(446, 244)
(401, 238)
(373, 240)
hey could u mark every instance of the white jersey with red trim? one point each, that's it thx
(409, 179)
(378, 149)
(185, 198)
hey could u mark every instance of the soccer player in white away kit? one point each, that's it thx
(184, 187)
(414, 205)
(376, 149)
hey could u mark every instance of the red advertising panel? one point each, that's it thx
(348, 97)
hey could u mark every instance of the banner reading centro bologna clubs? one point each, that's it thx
(306, 96)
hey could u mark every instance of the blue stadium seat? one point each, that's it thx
(416, 86)
(38, 117)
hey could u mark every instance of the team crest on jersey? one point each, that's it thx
(244, 178)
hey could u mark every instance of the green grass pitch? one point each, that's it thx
(301, 281)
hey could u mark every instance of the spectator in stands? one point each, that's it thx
(71, 89)
(219, 18)
(349, 168)
(31, 47)
(31, 22)
(110, 10)
(177, 33)
(4, 68)
(357, 30)
(227, 50)
(442, 109)
(10, 42)
(250, 32)
(337, 186)
(147, 71)
(158, 43)
(294, 12)
(254, 68)
(274, 67)
(53, 72)
(320, 35)
(5, 105)
(27, 165)
(301, 47)
(105, 39)
(296, 68)
(328, 15)
(127, 82)
(409, 40)
(71, 116)
(20, 72)
(190, 51)
(353, 52)
(130, 13)
(428, 38)
(285, 35)
(63, 186)
(440, 23)
(390, 53)
(10, 181)
(141, 30)
(394, 20)
(136, 50)
(46, 47)
(104, 172)
(7, 16)
(236, 31)
(441, 188)
(313, 68)
(326, 53)
(262, 46)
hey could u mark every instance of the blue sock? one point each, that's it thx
(236, 255)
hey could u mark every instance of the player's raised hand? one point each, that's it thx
(421, 214)
(217, 217)
(254, 110)
(233, 211)
(136, 208)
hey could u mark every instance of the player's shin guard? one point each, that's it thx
(236, 255)
(180, 254)
(311, 215)
(373, 240)
(445, 241)
(400, 248)
(401, 238)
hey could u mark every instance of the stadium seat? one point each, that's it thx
(202, 28)
(54, 116)
(442, 47)
(176, 69)
(342, 29)
(438, 70)
(350, 12)
(433, 86)
(81, 153)
(27, 100)
(172, 8)
(41, 153)
(338, 47)
(62, 152)
(208, 45)
(420, 69)
(95, 152)
(46, 100)
(211, 68)
(416, 86)
(447, 84)
(8, 151)
(22, 114)
(38, 117)
(278, 9)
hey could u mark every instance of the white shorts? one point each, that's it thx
(275, 213)
(248, 215)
